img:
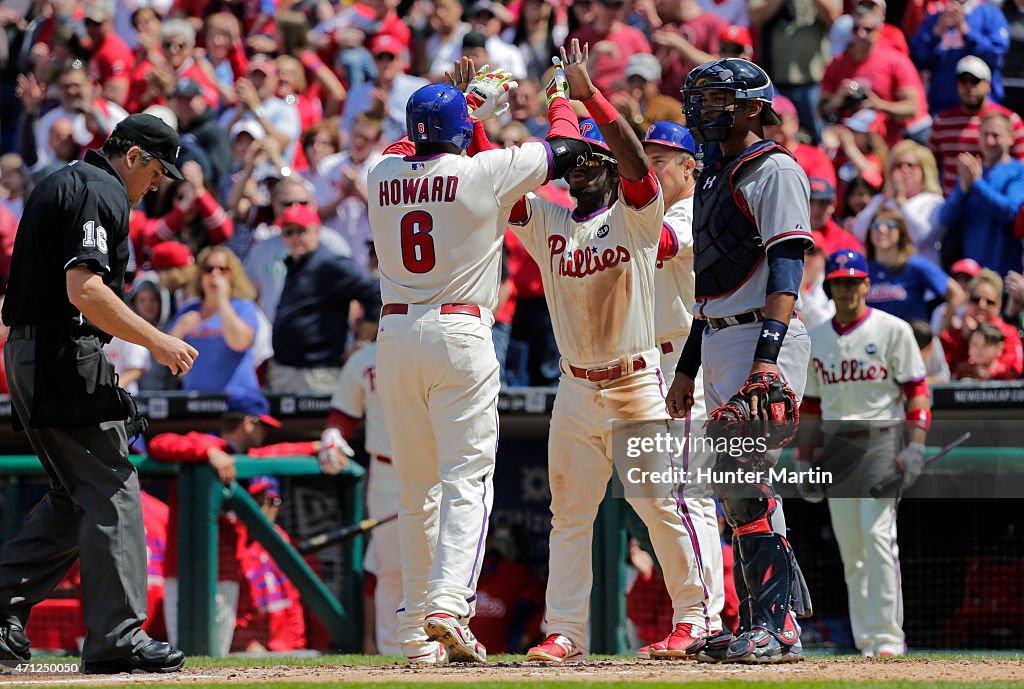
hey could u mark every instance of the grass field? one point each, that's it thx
(989, 671)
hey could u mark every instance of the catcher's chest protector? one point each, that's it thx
(727, 244)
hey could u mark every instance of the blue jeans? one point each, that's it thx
(805, 98)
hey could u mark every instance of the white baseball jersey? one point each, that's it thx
(598, 274)
(439, 221)
(673, 281)
(778, 195)
(357, 396)
(857, 372)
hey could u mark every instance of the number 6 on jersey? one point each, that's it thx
(417, 244)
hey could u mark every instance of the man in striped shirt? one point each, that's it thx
(955, 131)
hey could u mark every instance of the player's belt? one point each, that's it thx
(596, 375)
(402, 309)
(755, 316)
(382, 458)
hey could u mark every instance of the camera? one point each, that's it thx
(856, 97)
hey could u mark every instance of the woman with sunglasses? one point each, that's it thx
(222, 325)
(901, 282)
(984, 303)
(912, 187)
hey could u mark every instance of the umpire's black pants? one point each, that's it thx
(93, 511)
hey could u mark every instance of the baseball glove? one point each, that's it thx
(764, 408)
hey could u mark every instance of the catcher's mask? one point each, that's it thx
(738, 81)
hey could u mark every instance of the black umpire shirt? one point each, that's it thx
(76, 216)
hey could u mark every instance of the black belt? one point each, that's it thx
(754, 316)
(34, 331)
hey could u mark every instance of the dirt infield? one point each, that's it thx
(829, 669)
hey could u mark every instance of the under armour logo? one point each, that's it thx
(773, 335)
(709, 182)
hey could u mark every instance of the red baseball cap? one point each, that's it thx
(386, 43)
(967, 266)
(736, 34)
(783, 106)
(300, 214)
(262, 63)
(168, 255)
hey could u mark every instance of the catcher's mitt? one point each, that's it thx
(765, 407)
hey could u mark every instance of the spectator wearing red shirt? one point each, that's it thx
(611, 42)
(984, 304)
(873, 76)
(112, 60)
(955, 130)
(890, 36)
(510, 598)
(243, 429)
(812, 159)
(389, 23)
(270, 617)
(684, 36)
(155, 517)
(155, 77)
(828, 235)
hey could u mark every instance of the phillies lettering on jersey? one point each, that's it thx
(858, 370)
(583, 262)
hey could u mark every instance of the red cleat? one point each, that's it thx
(685, 641)
(555, 649)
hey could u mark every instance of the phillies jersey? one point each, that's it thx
(857, 371)
(438, 221)
(598, 274)
(673, 281)
(357, 396)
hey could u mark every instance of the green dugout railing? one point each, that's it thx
(205, 496)
(198, 486)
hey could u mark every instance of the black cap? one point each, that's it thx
(474, 39)
(153, 136)
(189, 88)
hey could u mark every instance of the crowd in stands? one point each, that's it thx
(906, 119)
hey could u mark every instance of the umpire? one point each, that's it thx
(64, 300)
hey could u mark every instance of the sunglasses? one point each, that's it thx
(597, 160)
(171, 45)
(883, 226)
(968, 80)
(289, 204)
(216, 269)
(293, 231)
(984, 301)
(273, 502)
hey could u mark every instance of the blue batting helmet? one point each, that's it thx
(671, 134)
(438, 113)
(742, 78)
(846, 264)
(591, 134)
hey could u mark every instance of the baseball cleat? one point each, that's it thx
(761, 647)
(13, 642)
(554, 649)
(435, 654)
(715, 648)
(456, 637)
(685, 641)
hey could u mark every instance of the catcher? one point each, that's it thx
(751, 228)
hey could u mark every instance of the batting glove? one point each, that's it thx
(910, 462)
(486, 94)
(334, 451)
(558, 87)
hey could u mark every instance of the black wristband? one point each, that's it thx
(689, 360)
(769, 342)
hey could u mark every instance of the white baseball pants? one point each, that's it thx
(579, 467)
(383, 555)
(438, 381)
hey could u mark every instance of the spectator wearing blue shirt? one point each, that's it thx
(980, 212)
(962, 27)
(311, 322)
(901, 283)
(221, 326)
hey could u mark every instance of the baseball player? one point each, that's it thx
(751, 228)
(597, 264)
(356, 398)
(438, 219)
(867, 372)
(671, 149)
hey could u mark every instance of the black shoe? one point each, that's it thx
(760, 647)
(13, 642)
(154, 656)
(715, 648)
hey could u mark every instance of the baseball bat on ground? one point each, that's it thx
(322, 540)
(882, 488)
